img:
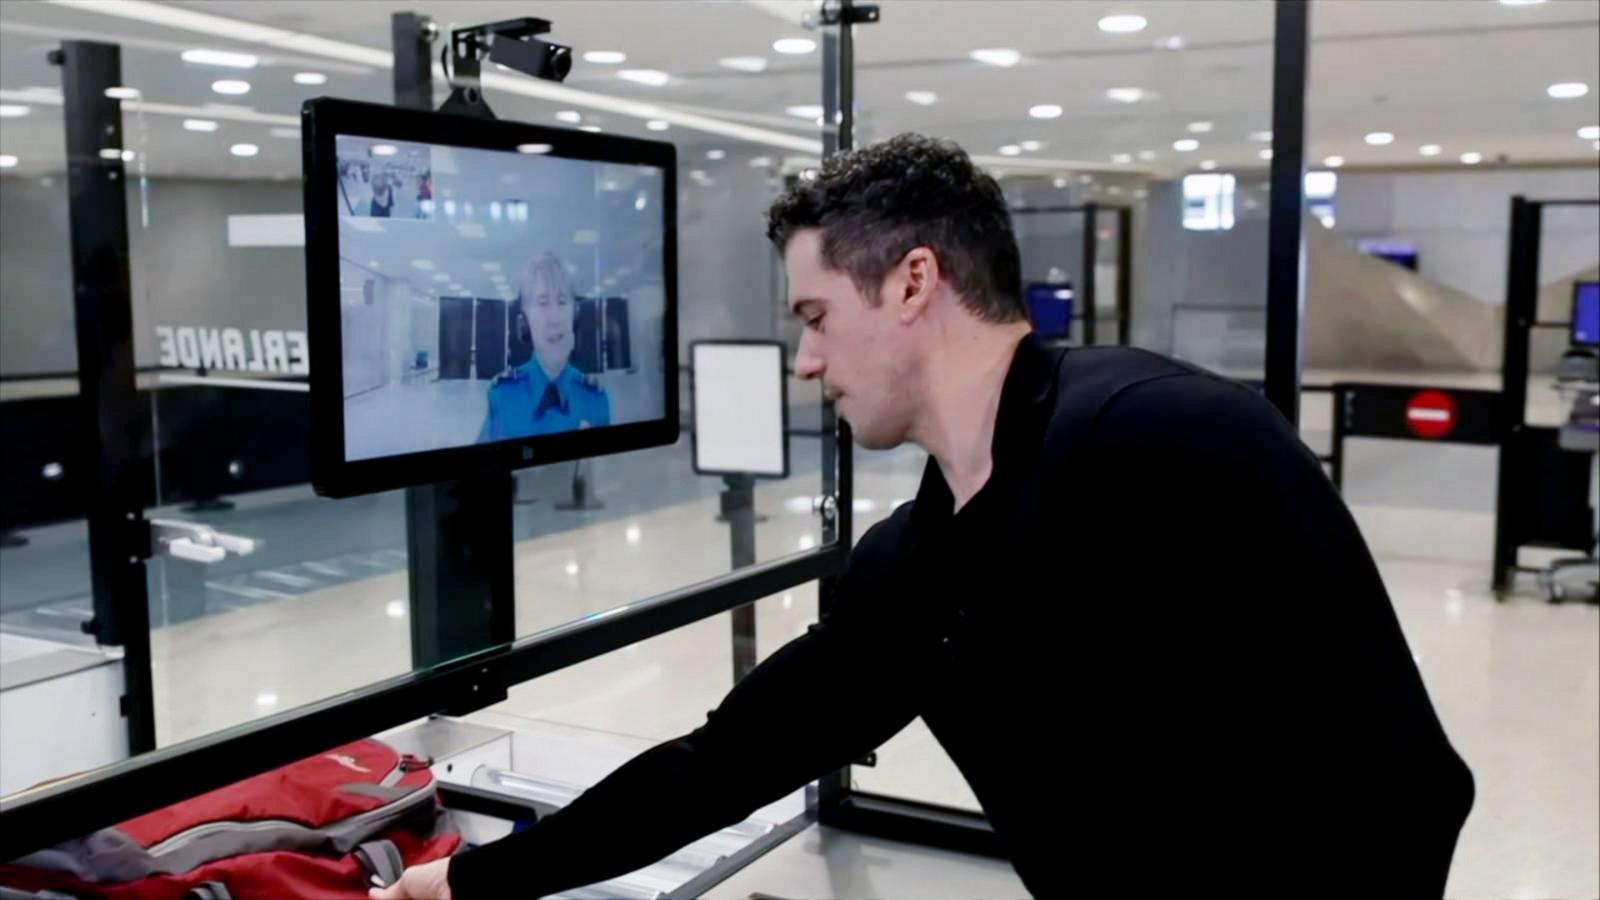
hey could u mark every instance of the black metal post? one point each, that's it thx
(739, 511)
(1091, 250)
(838, 476)
(1285, 244)
(1341, 413)
(1522, 299)
(411, 36)
(1124, 276)
(119, 539)
(459, 533)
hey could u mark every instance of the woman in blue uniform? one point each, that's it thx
(546, 395)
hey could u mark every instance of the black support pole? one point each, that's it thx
(1285, 244)
(458, 533)
(1522, 300)
(119, 539)
(1124, 276)
(838, 477)
(1086, 289)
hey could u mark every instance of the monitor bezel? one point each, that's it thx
(335, 476)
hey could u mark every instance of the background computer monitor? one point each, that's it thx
(483, 295)
(1050, 308)
(1400, 253)
(1586, 314)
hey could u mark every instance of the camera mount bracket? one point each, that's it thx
(513, 43)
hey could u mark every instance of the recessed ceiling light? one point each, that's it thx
(1199, 127)
(12, 110)
(1589, 132)
(592, 129)
(569, 115)
(1567, 90)
(1122, 24)
(122, 93)
(199, 125)
(1010, 150)
(1430, 149)
(922, 98)
(1172, 42)
(605, 57)
(441, 277)
(1471, 158)
(1185, 145)
(220, 58)
(245, 150)
(111, 153)
(384, 149)
(288, 133)
(804, 111)
(129, 156)
(1379, 138)
(1045, 111)
(310, 78)
(7, 161)
(744, 63)
(533, 148)
(423, 264)
(231, 87)
(1126, 94)
(651, 77)
(1032, 146)
(1005, 57)
(1122, 158)
(794, 46)
(1262, 136)
(1147, 155)
(1265, 154)
(657, 125)
(1596, 145)
(1333, 162)
(716, 154)
(1208, 164)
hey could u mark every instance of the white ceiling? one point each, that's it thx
(1465, 74)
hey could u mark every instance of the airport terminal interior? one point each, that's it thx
(1445, 319)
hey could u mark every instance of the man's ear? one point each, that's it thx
(919, 280)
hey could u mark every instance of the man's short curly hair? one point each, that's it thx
(875, 204)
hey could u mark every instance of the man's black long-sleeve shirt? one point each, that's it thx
(1154, 643)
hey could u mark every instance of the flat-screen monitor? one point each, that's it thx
(1050, 308)
(483, 295)
(1398, 252)
(1586, 314)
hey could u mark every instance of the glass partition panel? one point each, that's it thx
(1072, 114)
(1421, 147)
(310, 597)
(46, 595)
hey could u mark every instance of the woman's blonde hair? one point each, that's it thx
(546, 267)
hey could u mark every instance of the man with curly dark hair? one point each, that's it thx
(1126, 601)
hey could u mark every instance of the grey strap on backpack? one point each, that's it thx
(208, 890)
(382, 862)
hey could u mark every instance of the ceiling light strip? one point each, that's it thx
(164, 109)
(232, 29)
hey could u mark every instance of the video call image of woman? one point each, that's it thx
(547, 394)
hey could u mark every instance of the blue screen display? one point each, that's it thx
(1050, 309)
(1586, 313)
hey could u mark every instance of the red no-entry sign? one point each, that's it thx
(1431, 414)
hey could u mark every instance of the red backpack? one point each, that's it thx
(328, 826)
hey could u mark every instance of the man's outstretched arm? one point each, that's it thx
(764, 741)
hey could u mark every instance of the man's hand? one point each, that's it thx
(424, 882)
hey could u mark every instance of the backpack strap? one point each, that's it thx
(208, 890)
(381, 861)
